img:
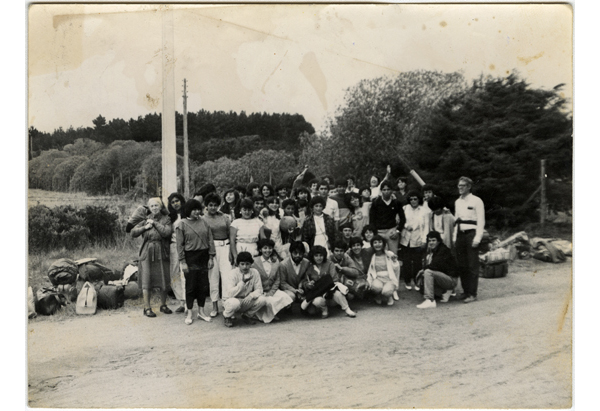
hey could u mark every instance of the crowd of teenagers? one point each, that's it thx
(258, 249)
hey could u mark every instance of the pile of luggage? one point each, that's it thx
(86, 283)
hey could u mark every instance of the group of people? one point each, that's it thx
(259, 249)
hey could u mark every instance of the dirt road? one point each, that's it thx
(510, 349)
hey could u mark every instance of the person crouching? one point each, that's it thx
(244, 293)
(439, 273)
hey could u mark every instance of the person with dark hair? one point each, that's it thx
(439, 271)
(219, 224)
(441, 220)
(383, 271)
(153, 266)
(282, 192)
(387, 216)
(271, 220)
(351, 184)
(360, 256)
(331, 206)
(303, 193)
(313, 185)
(196, 250)
(253, 190)
(368, 232)
(244, 292)
(203, 191)
(289, 207)
(350, 275)
(292, 271)
(318, 228)
(346, 230)
(413, 238)
(470, 222)
(266, 190)
(231, 204)
(400, 194)
(245, 232)
(359, 212)
(259, 205)
(428, 192)
(320, 268)
(375, 183)
(267, 266)
(176, 202)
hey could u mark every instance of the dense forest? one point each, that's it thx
(495, 130)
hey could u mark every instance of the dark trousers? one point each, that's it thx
(197, 285)
(467, 259)
(412, 262)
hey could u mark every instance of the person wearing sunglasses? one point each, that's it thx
(413, 238)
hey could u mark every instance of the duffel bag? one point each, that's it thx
(49, 301)
(87, 300)
(111, 297)
(132, 291)
(62, 271)
(95, 272)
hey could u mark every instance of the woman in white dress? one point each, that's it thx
(267, 266)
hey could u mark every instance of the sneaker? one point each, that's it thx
(427, 304)
(470, 299)
(446, 296)
(417, 288)
(407, 286)
(390, 301)
(395, 295)
(214, 313)
(350, 313)
(202, 316)
(228, 322)
(304, 305)
(188, 320)
(325, 313)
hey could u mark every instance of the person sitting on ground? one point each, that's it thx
(438, 273)
(367, 234)
(384, 272)
(244, 291)
(253, 190)
(318, 228)
(267, 266)
(350, 275)
(350, 184)
(413, 238)
(360, 256)
(320, 268)
(245, 232)
(292, 271)
(441, 220)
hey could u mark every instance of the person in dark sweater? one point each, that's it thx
(387, 216)
(439, 271)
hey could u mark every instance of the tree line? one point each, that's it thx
(493, 129)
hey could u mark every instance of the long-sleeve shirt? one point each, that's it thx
(470, 208)
(193, 235)
(383, 216)
(349, 268)
(269, 274)
(237, 288)
(416, 228)
(291, 275)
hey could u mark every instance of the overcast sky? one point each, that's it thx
(106, 59)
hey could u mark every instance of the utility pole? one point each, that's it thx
(543, 204)
(169, 151)
(186, 153)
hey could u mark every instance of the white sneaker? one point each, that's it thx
(427, 304)
(395, 295)
(417, 288)
(446, 296)
(188, 320)
(350, 313)
(390, 301)
(304, 305)
(407, 286)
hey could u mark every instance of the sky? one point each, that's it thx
(87, 60)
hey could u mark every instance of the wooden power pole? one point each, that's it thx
(543, 205)
(169, 144)
(186, 153)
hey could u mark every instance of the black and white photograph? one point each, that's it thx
(314, 206)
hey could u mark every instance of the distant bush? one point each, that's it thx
(70, 228)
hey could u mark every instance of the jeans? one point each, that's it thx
(436, 282)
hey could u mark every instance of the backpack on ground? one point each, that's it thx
(111, 297)
(94, 272)
(63, 271)
(87, 300)
(49, 301)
